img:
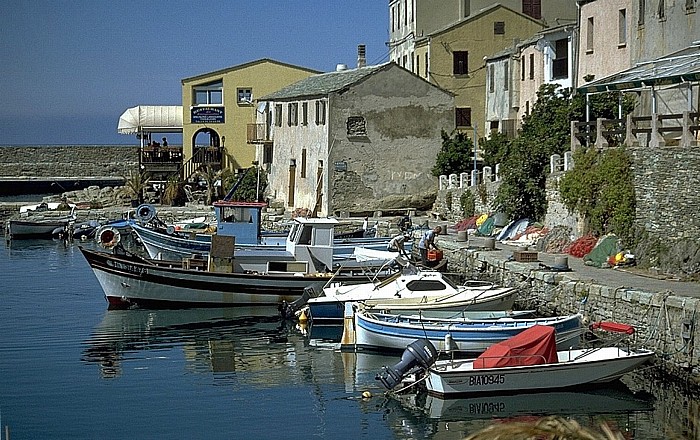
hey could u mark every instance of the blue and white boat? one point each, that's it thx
(413, 290)
(241, 220)
(364, 330)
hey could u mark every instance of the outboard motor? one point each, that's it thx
(288, 310)
(420, 352)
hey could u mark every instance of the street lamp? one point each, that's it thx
(257, 184)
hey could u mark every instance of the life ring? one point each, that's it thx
(145, 212)
(108, 237)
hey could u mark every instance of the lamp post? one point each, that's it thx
(257, 184)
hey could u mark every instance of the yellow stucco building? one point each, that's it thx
(453, 58)
(218, 106)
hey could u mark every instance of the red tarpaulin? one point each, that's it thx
(534, 346)
(614, 327)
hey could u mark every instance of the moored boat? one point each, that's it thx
(365, 330)
(412, 290)
(526, 362)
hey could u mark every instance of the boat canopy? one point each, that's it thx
(535, 346)
(151, 119)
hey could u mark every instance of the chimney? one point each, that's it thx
(361, 60)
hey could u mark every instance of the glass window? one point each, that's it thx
(461, 62)
(209, 94)
(245, 96)
(425, 285)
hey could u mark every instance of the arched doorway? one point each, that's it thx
(206, 146)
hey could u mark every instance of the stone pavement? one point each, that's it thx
(627, 278)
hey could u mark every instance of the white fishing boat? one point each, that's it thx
(241, 220)
(507, 368)
(227, 276)
(42, 220)
(526, 362)
(412, 290)
(366, 330)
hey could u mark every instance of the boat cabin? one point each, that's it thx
(240, 220)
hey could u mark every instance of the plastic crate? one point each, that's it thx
(525, 256)
(435, 255)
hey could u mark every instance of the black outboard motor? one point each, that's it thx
(420, 352)
(288, 310)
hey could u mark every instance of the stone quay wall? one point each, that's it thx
(68, 161)
(664, 322)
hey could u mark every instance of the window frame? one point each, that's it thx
(462, 115)
(460, 62)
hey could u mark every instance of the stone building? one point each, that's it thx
(353, 140)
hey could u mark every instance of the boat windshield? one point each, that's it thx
(449, 282)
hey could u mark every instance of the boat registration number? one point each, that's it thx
(487, 379)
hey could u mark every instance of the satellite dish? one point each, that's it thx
(108, 237)
(145, 212)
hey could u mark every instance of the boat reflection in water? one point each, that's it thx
(212, 339)
(613, 403)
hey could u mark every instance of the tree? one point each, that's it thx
(454, 156)
(210, 177)
(134, 186)
(248, 190)
(494, 149)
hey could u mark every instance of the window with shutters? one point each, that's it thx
(463, 117)
(499, 28)
(460, 62)
(533, 8)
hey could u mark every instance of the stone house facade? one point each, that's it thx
(354, 141)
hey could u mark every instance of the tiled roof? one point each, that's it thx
(324, 83)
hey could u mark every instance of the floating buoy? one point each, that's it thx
(366, 395)
(303, 317)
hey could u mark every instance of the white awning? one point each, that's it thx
(151, 119)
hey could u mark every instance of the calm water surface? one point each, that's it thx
(71, 369)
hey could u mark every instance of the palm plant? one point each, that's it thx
(210, 177)
(134, 186)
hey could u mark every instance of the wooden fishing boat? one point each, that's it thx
(365, 330)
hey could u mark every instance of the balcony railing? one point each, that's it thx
(657, 130)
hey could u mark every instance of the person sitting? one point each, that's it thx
(427, 241)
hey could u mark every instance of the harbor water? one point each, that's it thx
(72, 369)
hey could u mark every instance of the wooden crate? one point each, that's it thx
(525, 256)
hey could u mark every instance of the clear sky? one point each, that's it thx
(69, 68)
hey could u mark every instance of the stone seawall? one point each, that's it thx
(68, 161)
(664, 321)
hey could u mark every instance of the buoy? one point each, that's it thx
(303, 317)
(366, 395)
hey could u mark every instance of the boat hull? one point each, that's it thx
(35, 229)
(129, 281)
(575, 368)
(395, 333)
